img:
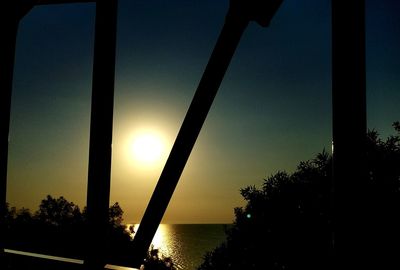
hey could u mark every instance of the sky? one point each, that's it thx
(272, 110)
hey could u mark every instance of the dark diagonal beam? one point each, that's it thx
(237, 19)
(195, 117)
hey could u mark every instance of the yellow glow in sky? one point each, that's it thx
(146, 149)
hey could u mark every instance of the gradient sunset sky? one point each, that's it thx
(273, 108)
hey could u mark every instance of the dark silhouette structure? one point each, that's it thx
(101, 115)
(58, 229)
(287, 222)
(349, 134)
(239, 15)
(101, 123)
(349, 118)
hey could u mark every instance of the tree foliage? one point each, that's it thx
(287, 223)
(115, 214)
(58, 211)
(156, 261)
(59, 227)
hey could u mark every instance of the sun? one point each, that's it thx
(147, 148)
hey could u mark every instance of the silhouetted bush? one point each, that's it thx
(59, 228)
(286, 223)
(58, 212)
(156, 261)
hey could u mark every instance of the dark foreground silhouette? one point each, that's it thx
(287, 223)
(59, 228)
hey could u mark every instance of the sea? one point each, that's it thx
(187, 244)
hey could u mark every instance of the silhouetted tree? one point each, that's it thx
(156, 261)
(11, 214)
(58, 227)
(23, 215)
(115, 214)
(383, 205)
(58, 211)
(286, 224)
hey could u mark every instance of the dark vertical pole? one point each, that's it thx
(349, 133)
(9, 27)
(101, 124)
(195, 117)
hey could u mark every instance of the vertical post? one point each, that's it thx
(349, 133)
(9, 27)
(98, 193)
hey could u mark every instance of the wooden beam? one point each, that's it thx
(101, 125)
(349, 133)
(240, 13)
(8, 27)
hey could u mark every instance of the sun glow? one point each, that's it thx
(147, 148)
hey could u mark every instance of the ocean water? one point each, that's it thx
(186, 244)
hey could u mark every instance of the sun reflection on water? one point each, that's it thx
(186, 244)
(161, 240)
